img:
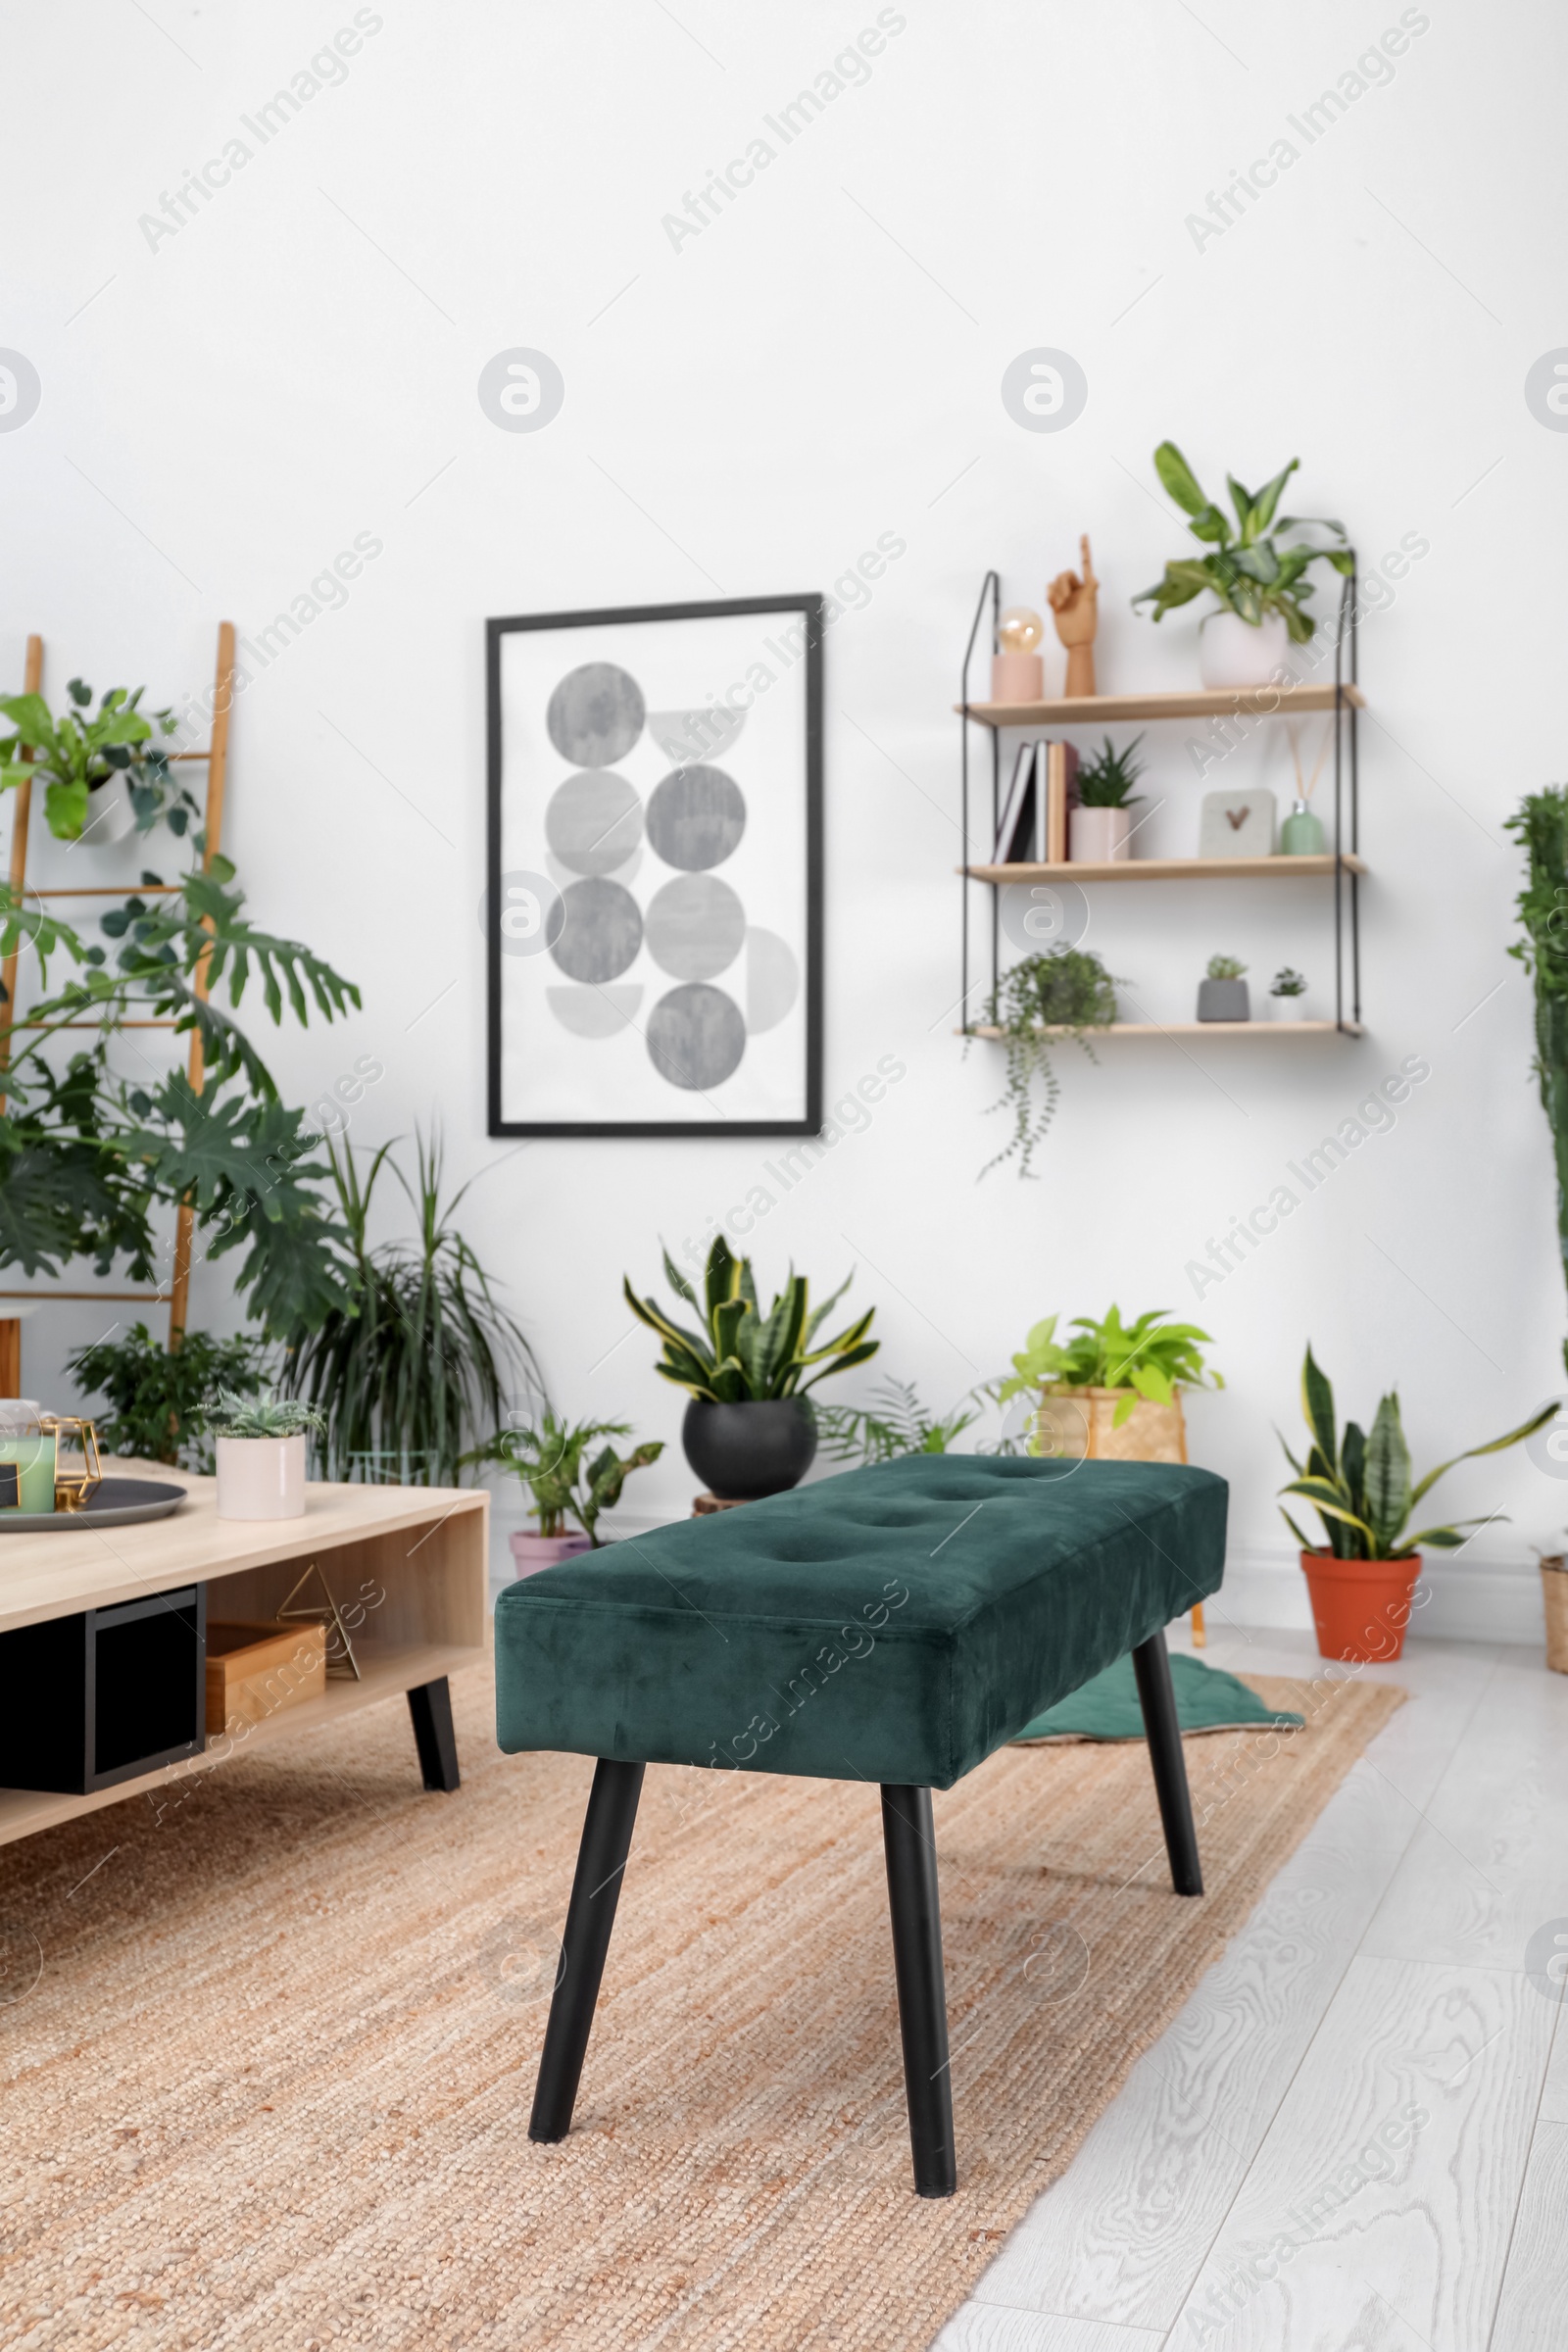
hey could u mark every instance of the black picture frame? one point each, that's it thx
(810, 605)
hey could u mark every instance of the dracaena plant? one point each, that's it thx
(1150, 1360)
(1248, 571)
(1360, 1486)
(741, 1356)
(548, 1458)
(83, 749)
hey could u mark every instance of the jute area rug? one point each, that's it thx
(271, 2086)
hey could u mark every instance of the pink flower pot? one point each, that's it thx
(530, 1554)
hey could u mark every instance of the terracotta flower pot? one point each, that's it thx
(1360, 1608)
(1076, 1424)
(1555, 1594)
(531, 1553)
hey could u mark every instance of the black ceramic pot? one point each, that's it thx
(744, 1452)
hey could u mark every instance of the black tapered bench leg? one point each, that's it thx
(1151, 1665)
(909, 1845)
(430, 1709)
(589, 1916)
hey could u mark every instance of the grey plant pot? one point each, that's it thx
(1223, 1000)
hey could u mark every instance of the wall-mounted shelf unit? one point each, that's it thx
(1342, 868)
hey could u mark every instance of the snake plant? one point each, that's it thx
(1249, 574)
(741, 1356)
(1361, 1487)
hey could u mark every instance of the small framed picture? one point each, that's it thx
(654, 904)
(1237, 824)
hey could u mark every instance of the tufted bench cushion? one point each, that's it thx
(894, 1624)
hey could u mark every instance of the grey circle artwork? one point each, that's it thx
(521, 390)
(695, 817)
(773, 980)
(695, 927)
(696, 1037)
(1044, 390)
(595, 1011)
(594, 821)
(602, 933)
(594, 714)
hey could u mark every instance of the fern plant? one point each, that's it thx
(1360, 1487)
(1064, 993)
(1541, 825)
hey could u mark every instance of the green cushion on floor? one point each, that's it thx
(1207, 1699)
(892, 1624)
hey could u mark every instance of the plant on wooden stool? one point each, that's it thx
(1150, 1360)
(549, 1459)
(1064, 993)
(157, 1393)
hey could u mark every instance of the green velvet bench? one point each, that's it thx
(892, 1625)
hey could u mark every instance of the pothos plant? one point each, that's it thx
(1248, 574)
(1541, 825)
(78, 752)
(90, 1161)
(1066, 991)
(1150, 1358)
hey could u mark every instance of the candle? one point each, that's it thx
(26, 1458)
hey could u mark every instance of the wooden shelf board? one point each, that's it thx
(1225, 702)
(1279, 868)
(25, 1810)
(1255, 1029)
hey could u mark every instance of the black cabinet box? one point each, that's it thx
(101, 1696)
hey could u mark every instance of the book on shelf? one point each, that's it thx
(1061, 795)
(1018, 823)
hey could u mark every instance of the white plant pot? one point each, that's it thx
(1100, 836)
(111, 815)
(1288, 1008)
(260, 1477)
(1232, 652)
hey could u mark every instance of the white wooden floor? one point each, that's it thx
(1242, 2192)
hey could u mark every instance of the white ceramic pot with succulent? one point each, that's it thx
(259, 1442)
(1255, 577)
(1287, 995)
(1100, 828)
(1222, 992)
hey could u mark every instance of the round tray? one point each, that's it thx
(114, 1502)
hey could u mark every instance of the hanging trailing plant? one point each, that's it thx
(1541, 824)
(1066, 993)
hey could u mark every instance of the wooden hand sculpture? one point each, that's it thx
(1072, 603)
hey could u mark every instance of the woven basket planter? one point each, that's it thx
(1075, 1425)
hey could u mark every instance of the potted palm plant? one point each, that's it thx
(1100, 828)
(549, 1459)
(1114, 1391)
(1257, 583)
(261, 1455)
(748, 1430)
(1362, 1579)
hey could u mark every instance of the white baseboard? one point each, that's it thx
(1467, 1601)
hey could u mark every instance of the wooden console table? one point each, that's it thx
(407, 1566)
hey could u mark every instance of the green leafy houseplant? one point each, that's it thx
(1541, 825)
(1249, 572)
(90, 1161)
(1225, 967)
(741, 1356)
(1107, 779)
(1064, 993)
(1287, 982)
(895, 1423)
(1150, 1358)
(157, 1394)
(416, 1356)
(548, 1456)
(1360, 1487)
(265, 1416)
(76, 754)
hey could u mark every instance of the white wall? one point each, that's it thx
(224, 408)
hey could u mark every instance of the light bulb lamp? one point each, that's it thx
(1018, 668)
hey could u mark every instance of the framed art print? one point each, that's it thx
(654, 906)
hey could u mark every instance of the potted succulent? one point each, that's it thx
(1064, 993)
(1259, 584)
(548, 1458)
(260, 1453)
(1222, 995)
(1287, 994)
(102, 779)
(1100, 828)
(1362, 1579)
(748, 1430)
(1113, 1393)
